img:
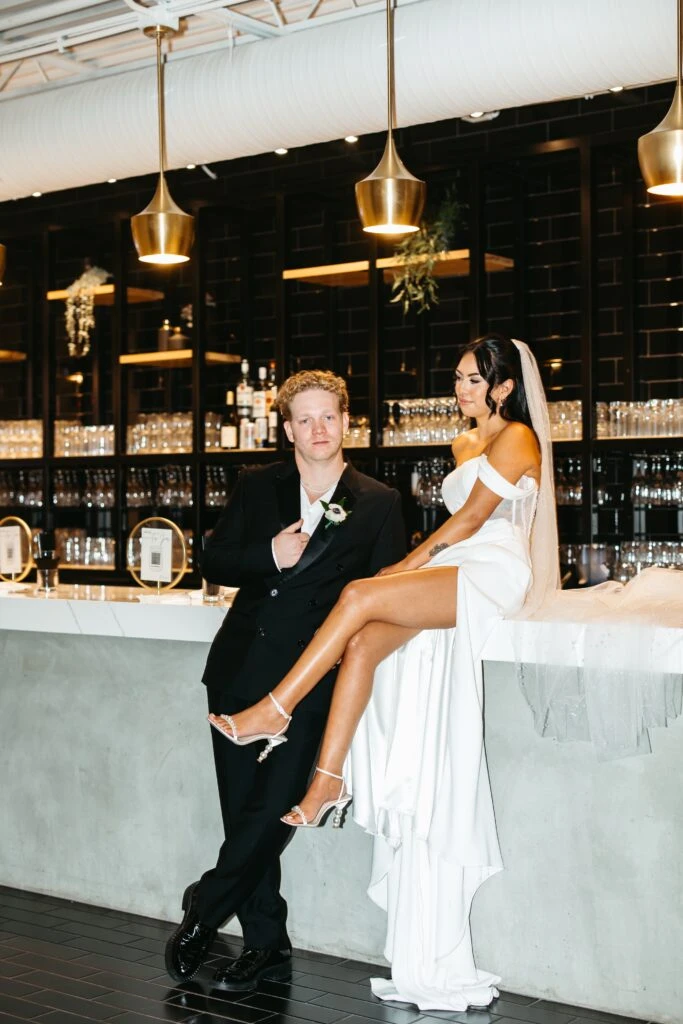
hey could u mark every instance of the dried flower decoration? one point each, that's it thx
(79, 316)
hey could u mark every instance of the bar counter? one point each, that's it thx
(108, 797)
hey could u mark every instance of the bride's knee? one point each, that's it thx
(360, 647)
(354, 594)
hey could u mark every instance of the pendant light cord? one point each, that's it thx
(391, 99)
(160, 104)
(679, 42)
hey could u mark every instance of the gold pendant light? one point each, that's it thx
(660, 152)
(3, 263)
(162, 232)
(390, 200)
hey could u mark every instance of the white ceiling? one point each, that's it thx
(78, 89)
(48, 43)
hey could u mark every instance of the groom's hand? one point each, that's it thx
(290, 545)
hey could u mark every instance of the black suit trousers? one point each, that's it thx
(246, 879)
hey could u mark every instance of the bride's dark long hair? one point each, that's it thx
(497, 361)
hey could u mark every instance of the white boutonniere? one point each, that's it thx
(335, 513)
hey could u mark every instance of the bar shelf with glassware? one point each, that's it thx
(21, 439)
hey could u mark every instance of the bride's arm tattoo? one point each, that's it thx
(437, 547)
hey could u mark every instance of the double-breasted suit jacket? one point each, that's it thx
(275, 614)
(273, 618)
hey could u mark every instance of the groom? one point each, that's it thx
(291, 556)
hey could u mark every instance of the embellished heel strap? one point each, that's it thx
(280, 708)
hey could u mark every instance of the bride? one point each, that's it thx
(417, 767)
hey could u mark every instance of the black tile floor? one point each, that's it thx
(65, 963)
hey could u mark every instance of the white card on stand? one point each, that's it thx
(156, 555)
(10, 550)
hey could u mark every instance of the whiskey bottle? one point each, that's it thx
(270, 406)
(230, 426)
(260, 409)
(245, 393)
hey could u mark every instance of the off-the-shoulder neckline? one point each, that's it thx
(483, 455)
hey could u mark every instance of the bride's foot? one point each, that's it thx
(262, 721)
(327, 789)
(258, 720)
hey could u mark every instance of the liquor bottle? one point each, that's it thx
(230, 426)
(272, 386)
(260, 409)
(245, 393)
(247, 433)
(270, 406)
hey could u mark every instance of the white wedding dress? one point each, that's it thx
(417, 766)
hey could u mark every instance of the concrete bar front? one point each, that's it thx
(108, 797)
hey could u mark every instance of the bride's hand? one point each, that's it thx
(390, 570)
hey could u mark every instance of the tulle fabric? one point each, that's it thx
(627, 674)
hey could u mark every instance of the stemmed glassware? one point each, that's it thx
(566, 420)
(90, 488)
(427, 480)
(215, 486)
(658, 417)
(168, 486)
(568, 481)
(160, 433)
(21, 439)
(422, 421)
(658, 481)
(73, 440)
(22, 489)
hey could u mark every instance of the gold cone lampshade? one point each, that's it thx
(660, 152)
(390, 200)
(3, 263)
(162, 232)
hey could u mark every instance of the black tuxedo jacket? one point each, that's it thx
(275, 614)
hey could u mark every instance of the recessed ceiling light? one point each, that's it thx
(281, 151)
(111, 181)
(36, 195)
(190, 167)
(350, 138)
(477, 113)
(616, 88)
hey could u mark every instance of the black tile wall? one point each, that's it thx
(329, 327)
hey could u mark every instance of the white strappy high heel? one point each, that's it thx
(340, 805)
(273, 739)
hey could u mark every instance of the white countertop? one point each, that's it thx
(180, 615)
(111, 611)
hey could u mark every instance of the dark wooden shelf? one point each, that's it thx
(637, 444)
(454, 263)
(175, 359)
(104, 295)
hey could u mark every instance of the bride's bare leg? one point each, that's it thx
(352, 691)
(423, 599)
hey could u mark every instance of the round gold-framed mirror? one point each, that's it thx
(26, 540)
(178, 553)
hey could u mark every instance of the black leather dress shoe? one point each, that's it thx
(252, 966)
(187, 948)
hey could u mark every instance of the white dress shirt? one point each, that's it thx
(310, 511)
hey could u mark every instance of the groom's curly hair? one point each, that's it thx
(311, 380)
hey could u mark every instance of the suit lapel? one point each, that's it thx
(288, 495)
(325, 533)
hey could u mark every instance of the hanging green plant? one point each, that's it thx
(414, 282)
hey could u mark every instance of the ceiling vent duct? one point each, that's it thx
(452, 58)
